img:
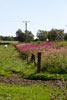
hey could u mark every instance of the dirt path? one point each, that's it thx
(15, 79)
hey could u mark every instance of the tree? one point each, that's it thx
(1, 38)
(26, 36)
(20, 35)
(65, 36)
(29, 36)
(56, 34)
(42, 35)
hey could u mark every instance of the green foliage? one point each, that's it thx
(47, 76)
(20, 35)
(11, 62)
(8, 38)
(8, 42)
(42, 35)
(26, 36)
(1, 38)
(56, 34)
(29, 36)
(60, 44)
(36, 42)
(24, 92)
(59, 95)
(52, 35)
(65, 36)
(55, 63)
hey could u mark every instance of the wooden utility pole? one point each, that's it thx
(26, 27)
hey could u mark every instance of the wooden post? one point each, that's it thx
(33, 59)
(27, 59)
(39, 63)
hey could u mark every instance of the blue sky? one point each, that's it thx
(42, 14)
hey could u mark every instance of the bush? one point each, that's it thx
(55, 64)
(47, 76)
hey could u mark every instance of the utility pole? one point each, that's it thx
(25, 25)
(66, 27)
(26, 28)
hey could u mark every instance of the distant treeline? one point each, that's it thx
(41, 35)
(8, 38)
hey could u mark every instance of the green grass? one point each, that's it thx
(23, 92)
(11, 62)
(8, 42)
(59, 44)
(32, 92)
(9, 59)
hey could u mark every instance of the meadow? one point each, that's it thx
(11, 61)
(31, 92)
(53, 63)
(54, 67)
(8, 42)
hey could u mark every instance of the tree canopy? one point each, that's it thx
(42, 35)
(56, 34)
(24, 36)
(65, 36)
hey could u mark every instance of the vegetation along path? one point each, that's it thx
(12, 63)
(14, 87)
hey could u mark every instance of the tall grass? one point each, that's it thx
(53, 66)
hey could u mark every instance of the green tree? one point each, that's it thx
(20, 35)
(29, 36)
(1, 38)
(65, 36)
(42, 35)
(56, 34)
(26, 36)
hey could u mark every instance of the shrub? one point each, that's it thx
(55, 64)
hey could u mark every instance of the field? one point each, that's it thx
(54, 60)
(13, 65)
(31, 92)
(8, 42)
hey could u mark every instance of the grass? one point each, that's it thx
(59, 44)
(8, 42)
(11, 62)
(26, 92)
(23, 92)
(32, 92)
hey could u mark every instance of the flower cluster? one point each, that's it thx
(33, 47)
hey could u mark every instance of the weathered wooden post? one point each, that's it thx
(39, 62)
(27, 58)
(33, 59)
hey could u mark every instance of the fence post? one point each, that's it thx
(39, 62)
(33, 59)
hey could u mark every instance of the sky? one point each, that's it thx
(42, 14)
